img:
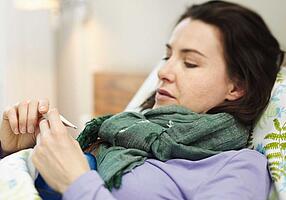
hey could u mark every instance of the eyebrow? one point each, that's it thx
(187, 50)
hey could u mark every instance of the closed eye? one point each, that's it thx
(190, 65)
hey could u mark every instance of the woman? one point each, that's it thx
(221, 63)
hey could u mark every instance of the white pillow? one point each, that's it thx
(149, 85)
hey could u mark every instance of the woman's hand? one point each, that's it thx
(57, 155)
(20, 125)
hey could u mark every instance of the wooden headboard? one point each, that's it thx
(113, 91)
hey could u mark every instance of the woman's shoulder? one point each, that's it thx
(243, 172)
(243, 160)
(243, 155)
(246, 152)
(244, 163)
(239, 169)
(246, 156)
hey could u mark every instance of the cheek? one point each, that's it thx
(197, 86)
(202, 94)
(193, 91)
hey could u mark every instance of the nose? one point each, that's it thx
(166, 72)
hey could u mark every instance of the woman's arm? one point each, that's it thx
(245, 177)
(89, 186)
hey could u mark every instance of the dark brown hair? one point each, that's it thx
(252, 54)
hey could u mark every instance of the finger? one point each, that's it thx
(32, 116)
(38, 139)
(23, 114)
(35, 157)
(13, 119)
(44, 127)
(55, 121)
(44, 106)
(36, 136)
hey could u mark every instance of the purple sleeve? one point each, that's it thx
(238, 180)
(89, 186)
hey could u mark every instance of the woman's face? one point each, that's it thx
(194, 74)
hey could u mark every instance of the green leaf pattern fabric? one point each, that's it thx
(269, 137)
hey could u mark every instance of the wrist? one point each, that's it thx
(71, 179)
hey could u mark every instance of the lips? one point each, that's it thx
(164, 93)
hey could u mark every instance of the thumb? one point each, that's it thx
(36, 135)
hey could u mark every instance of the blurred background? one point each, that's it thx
(88, 57)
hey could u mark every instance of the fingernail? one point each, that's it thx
(31, 129)
(16, 131)
(42, 108)
(23, 130)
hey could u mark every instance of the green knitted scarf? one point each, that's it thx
(163, 133)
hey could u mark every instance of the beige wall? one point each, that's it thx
(2, 53)
(27, 55)
(74, 58)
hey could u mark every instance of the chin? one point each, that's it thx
(157, 104)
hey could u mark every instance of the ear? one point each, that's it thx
(235, 92)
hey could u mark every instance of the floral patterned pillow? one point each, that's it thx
(269, 136)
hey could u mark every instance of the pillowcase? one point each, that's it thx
(269, 136)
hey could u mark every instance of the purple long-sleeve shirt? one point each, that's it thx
(235, 175)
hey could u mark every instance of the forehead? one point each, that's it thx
(197, 35)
